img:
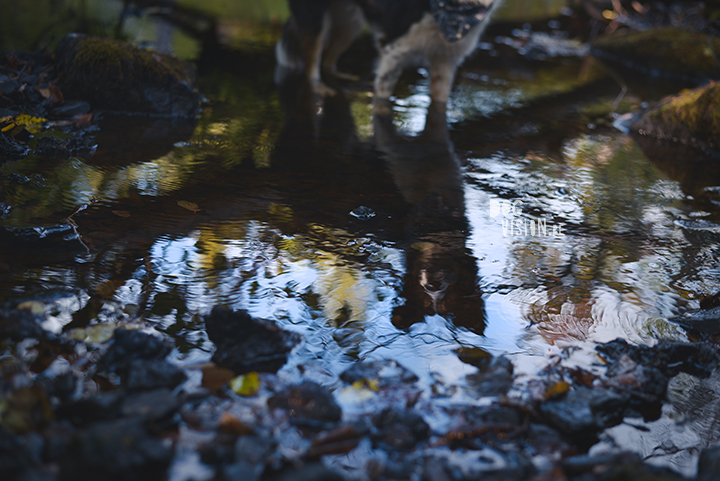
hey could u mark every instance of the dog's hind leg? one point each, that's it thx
(312, 19)
(346, 22)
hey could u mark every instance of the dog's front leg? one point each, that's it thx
(442, 75)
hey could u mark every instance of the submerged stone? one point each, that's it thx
(130, 345)
(400, 429)
(309, 405)
(114, 450)
(114, 75)
(247, 344)
(144, 374)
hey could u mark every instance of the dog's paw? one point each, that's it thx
(322, 90)
(344, 76)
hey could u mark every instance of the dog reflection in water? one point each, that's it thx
(441, 274)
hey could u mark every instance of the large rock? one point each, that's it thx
(663, 52)
(691, 117)
(114, 75)
(247, 344)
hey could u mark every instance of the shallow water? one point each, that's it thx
(524, 223)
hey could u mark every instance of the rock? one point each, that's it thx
(494, 377)
(308, 472)
(55, 147)
(157, 405)
(103, 407)
(9, 86)
(309, 405)
(246, 344)
(709, 464)
(144, 374)
(11, 149)
(583, 412)
(691, 117)
(70, 108)
(668, 52)
(386, 373)
(19, 324)
(114, 75)
(130, 345)
(115, 450)
(399, 429)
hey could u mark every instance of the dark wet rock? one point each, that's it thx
(64, 386)
(251, 455)
(691, 118)
(18, 454)
(19, 324)
(11, 149)
(116, 450)
(609, 467)
(708, 468)
(144, 374)
(9, 86)
(130, 345)
(494, 378)
(308, 472)
(386, 373)
(399, 429)
(668, 52)
(70, 108)
(157, 405)
(309, 405)
(583, 412)
(247, 344)
(669, 357)
(114, 75)
(103, 407)
(701, 321)
(55, 147)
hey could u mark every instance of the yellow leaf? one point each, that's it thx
(371, 384)
(246, 385)
(189, 205)
(33, 306)
(557, 389)
(32, 124)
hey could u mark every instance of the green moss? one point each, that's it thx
(124, 62)
(668, 49)
(690, 117)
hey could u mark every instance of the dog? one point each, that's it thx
(435, 34)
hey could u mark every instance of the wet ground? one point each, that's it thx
(522, 223)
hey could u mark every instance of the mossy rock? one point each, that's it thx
(691, 117)
(664, 52)
(114, 75)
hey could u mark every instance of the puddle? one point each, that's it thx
(526, 228)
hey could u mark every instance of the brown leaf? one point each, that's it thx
(192, 206)
(121, 213)
(216, 377)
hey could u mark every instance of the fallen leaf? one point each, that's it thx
(82, 120)
(229, 424)
(216, 377)
(557, 389)
(33, 306)
(246, 385)
(192, 206)
(121, 213)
